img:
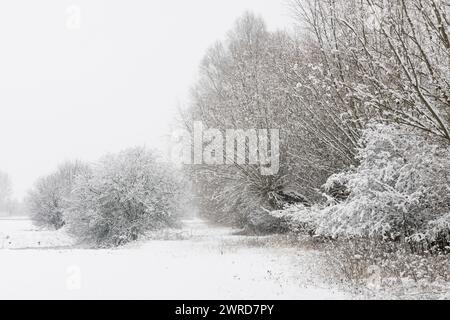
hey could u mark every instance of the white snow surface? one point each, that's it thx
(199, 262)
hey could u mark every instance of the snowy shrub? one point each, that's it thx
(124, 196)
(400, 191)
(49, 199)
(391, 231)
(299, 218)
(439, 232)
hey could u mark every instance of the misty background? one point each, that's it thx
(113, 81)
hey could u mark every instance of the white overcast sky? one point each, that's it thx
(114, 83)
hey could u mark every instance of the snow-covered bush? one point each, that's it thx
(124, 196)
(391, 231)
(49, 199)
(299, 218)
(400, 191)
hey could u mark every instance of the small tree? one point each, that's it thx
(5, 191)
(49, 199)
(125, 195)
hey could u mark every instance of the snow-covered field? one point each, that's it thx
(198, 262)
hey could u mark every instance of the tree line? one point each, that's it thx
(360, 93)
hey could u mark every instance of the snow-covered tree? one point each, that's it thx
(351, 63)
(263, 80)
(5, 191)
(49, 199)
(124, 196)
(389, 59)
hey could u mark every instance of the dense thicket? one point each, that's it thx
(399, 192)
(351, 63)
(257, 79)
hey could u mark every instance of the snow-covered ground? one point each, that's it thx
(19, 233)
(198, 262)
